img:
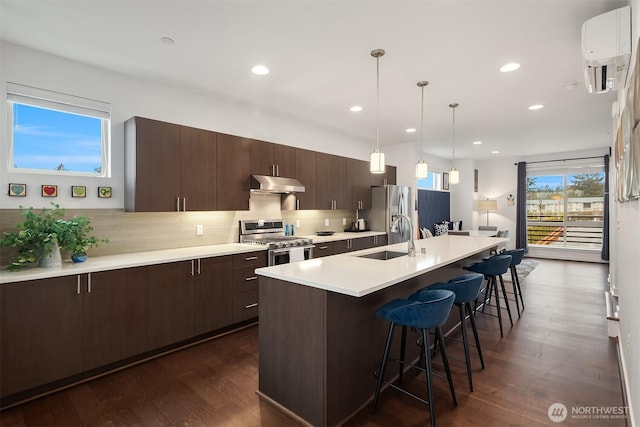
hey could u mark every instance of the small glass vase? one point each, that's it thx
(79, 257)
(54, 259)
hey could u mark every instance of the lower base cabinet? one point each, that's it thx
(115, 315)
(213, 292)
(341, 246)
(40, 332)
(171, 303)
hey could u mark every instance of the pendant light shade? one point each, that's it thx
(454, 174)
(422, 169)
(377, 158)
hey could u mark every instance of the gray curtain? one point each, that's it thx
(605, 223)
(521, 207)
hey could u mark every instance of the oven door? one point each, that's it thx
(282, 256)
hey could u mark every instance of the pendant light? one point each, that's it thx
(422, 169)
(454, 174)
(377, 158)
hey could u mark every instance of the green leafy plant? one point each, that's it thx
(41, 230)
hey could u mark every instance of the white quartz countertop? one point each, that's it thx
(343, 236)
(127, 260)
(349, 274)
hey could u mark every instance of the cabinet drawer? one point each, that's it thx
(245, 280)
(245, 306)
(250, 259)
(329, 248)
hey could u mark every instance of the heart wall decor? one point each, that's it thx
(49, 191)
(17, 190)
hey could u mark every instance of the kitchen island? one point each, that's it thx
(320, 340)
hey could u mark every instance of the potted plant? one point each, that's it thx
(43, 233)
(75, 237)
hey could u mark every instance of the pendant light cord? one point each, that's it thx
(378, 107)
(453, 135)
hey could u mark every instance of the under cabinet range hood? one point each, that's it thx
(275, 184)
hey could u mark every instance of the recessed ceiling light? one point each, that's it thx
(477, 142)
(355, 108)
(167, 40)
(512, 66)
(536, 107)
(260, 70)
(495, 152)
(410, 130)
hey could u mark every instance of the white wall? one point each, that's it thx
(625, 268)
(129, 97)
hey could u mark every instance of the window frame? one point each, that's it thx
(63, 103)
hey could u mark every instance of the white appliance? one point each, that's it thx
(606, 48)
(387, 202)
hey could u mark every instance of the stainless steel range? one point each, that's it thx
(281, 249)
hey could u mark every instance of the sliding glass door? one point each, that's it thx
(565, 209)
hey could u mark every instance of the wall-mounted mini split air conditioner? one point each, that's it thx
(606, 48)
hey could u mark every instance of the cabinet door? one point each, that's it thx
(40, 332)
(359, 184)
(233, 172)
(362, 243)
(197, 169)
(387, 178)
(331, 177)
(115, 316)
(285, 160)
(154, 183)
(262, 159)
(213, 294)
(171, 303)
(306, 168)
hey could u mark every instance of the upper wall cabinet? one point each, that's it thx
(387, 178)
(359, 181)
(272, 159)
(331, 182)
(168, 167)
(233, 172)
(306, 168)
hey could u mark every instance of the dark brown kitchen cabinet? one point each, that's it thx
(233, 172)
(168, 167)
(272, 159)
(330, 248)
(171, 303)
(359, 180)
(115, 315)
(213, 294)
(40, 332)
(245, 284)
(306, 168)
(331, 178)
(387, 178)
(359, 243)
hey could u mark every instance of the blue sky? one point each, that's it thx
(43, 139)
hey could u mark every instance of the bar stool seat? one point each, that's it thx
(431, 312)
(492, 269)
(466, 288)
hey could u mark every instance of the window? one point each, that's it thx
(433, 181)
(56, 133)
(566, 209)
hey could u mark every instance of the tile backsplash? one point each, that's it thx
(136, 232)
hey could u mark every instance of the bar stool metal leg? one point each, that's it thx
(383, 364)
(475, 332)
(465, 343)
(427, 366)
(514, 283)
(506, 300)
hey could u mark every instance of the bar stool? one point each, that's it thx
(431, 312)
(516, 259)
(492, 268)
(466, 288)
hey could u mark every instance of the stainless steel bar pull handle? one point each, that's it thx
(89, 283)
(323, 247)
(177, 204)
(78, 287)
(277, 170)
(199, 266)
(297, 204)
(255, 304)
(248, 279)
(184, 204)
(192, 267)
(250, 258)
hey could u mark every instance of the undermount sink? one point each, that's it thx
(383, 255)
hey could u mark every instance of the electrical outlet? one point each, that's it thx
(344, 221)
(297, 223)
(199, 230)
(326, 222)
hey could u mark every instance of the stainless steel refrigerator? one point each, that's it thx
(387, 202)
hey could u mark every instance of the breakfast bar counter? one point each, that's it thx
(320, 340)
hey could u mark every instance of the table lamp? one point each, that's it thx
(487, 205)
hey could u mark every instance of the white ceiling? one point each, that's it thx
(319, 56)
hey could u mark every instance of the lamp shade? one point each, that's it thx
(422, 169)
(487, 205)
(377, 162)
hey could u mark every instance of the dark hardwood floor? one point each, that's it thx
(558, 351)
